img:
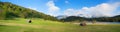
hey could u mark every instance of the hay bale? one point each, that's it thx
(29, 21)
(83, 24)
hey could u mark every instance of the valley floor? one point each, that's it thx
(40, 25)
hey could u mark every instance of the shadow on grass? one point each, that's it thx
(2, 25)
(9, 19)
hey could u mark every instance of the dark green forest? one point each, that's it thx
(100, 19)
(10, 11)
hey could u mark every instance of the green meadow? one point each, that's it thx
(41, 25)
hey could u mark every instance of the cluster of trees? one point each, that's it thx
(72, 18)
(101, 19)
(9, 11)
(109, 19)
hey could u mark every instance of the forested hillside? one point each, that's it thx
(9, 11)
(100, 19)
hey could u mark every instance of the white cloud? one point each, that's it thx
(52, 7)
(66, 2)
(69, 12)
(104, 9)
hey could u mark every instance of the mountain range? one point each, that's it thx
(100, 19)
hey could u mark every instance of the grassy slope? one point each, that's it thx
(40, 25)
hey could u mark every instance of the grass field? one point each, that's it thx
(40, 25)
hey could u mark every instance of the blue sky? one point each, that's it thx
(83, 8)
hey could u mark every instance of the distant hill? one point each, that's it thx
(61, 16)
(9, 11)
(100, 19)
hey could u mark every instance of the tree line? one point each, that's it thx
(100, 19)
